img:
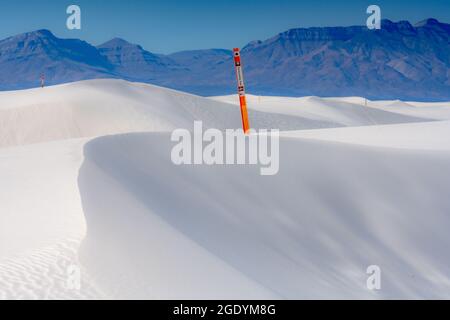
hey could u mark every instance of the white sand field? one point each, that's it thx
(86, 181)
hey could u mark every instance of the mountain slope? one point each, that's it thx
(24, 57)
(131, 61)
(400, 61)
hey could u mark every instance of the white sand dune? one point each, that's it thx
(436, 111)
(342, 112)
(41, 221)
(309, 232)
(424, 136)
(101, 107)
(362, 191)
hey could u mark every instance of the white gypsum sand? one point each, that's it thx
(359, 187)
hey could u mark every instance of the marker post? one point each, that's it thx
(241, 89)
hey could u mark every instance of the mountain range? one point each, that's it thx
(399, 61)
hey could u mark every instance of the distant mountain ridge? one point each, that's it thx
(131, 61)
(400, 61)
(24, 57)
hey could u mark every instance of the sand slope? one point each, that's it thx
(309, 232)
(362, 186)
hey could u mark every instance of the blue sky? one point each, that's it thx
(172, 25)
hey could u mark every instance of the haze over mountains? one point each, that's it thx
(400, 61)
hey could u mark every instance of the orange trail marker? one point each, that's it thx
(241, 89)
